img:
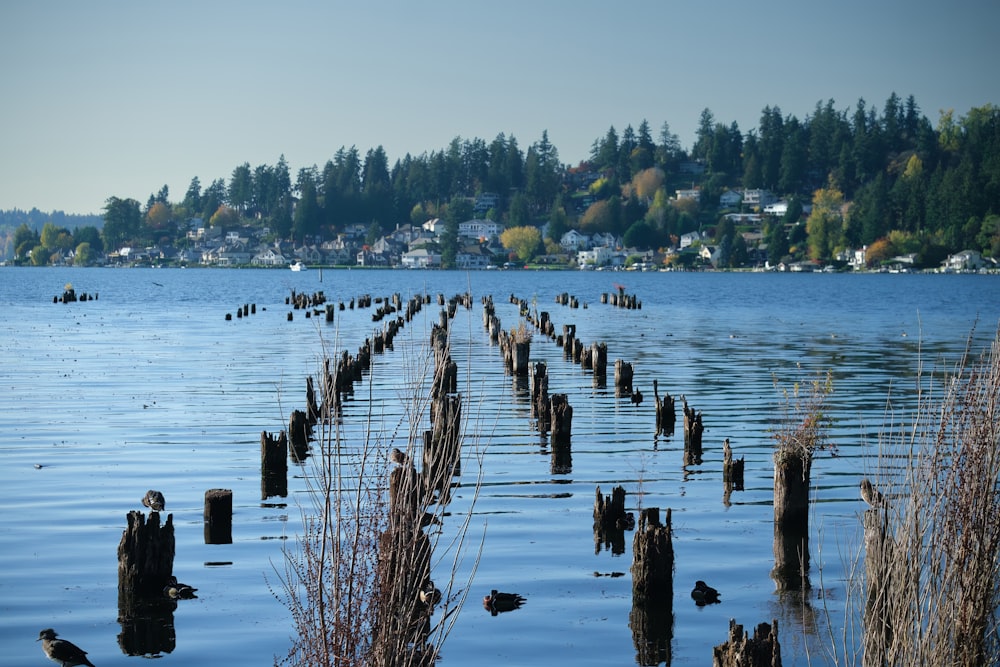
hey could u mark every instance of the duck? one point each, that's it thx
(871, 495)
(178, 591)
(429, 595)
(397, 456)
(154, 500)
(704, 594)
(65, 652)
(497, 602)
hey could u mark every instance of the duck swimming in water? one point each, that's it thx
(178, 591)
(497, 602)
(704, 594)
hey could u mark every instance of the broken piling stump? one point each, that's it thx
(742, 651)
(653, 558)
(666, 413)
(562, 420)
(273, 465)
(219, 516)
(623, 378)
(145, 558)
(611, 521)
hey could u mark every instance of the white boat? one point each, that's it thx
(298, 266)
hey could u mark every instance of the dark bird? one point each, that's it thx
(704, 594)
(497, 602)
(636, 397)
(64, 652)
(178, 591)
(397, 456)
(154, 500)
(871, 495)
(429, 595)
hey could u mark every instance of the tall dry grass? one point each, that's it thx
(358, 580)
(927, 591)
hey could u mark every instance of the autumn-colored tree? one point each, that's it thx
(522, 241)
(158, 216)
(825, 223)
(224, 217)
(646, 183)
(878, 252)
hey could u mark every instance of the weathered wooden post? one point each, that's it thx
(623, 378)
(442, 456)
(273, 465)
(145, 563)
(219, 516)
(298, 435)
(741, 651)
(878, 614)
(540, 403)
(651, 617)
(666, 413)
(611, 521)
(145, 558)
(732, 472)
(562, 420)
(791, 517)
(693, 430)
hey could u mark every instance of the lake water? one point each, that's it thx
(149, 386)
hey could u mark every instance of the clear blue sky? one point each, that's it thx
(119, 98)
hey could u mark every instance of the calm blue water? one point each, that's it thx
(150, 387)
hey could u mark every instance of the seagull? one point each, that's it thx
(497, 602)
(704, 594)
(178, 591)
(871, 495)
(64, 652)
(154, 500)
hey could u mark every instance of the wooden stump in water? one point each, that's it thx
(791, 519)
(442, 459)
(611, 521)
(599, 358)
(623, 378)
(693, 430)
(742, 651)
(878, 614)
(562, 420)
(298, 435)
(653, 558)
(273, 465)
(540, 405)
(219, 516)
(145, 558)
(666, 413)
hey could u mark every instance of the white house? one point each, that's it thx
(689, 238)
(574, 240)
(758, 198)
(777, 208)
(967, 260)
(594, 257)
(421, 258)
(693, 193)
(480, 229)
(269, 257)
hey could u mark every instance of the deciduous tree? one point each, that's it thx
(523, 241)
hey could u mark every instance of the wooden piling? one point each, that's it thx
(878, 613)
(298, 435)
(742, 651)
(653, 558)
(693, 430)
(666, 413)
(562, 419)
(623, 378)
(219, 516)
(611, 521)
(273, 465)
(145, 558)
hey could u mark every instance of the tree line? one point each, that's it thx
(884, 178)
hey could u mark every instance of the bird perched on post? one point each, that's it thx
(636, 397)
(704, 594)
(397, 456)
(154, 500)
(871, 495)
(178, 591)
(64, 652)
